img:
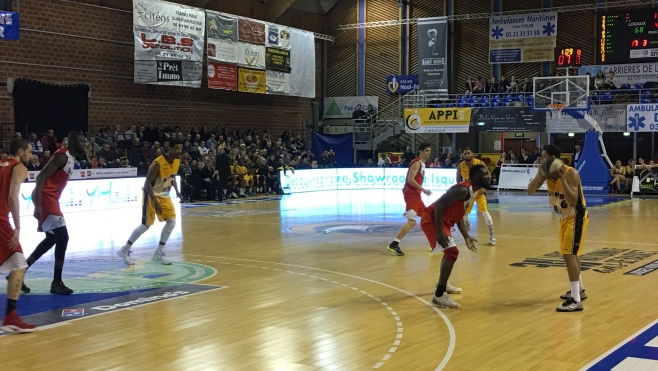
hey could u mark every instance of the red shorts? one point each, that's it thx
(51, 215)
(428, 226)
(414, 206)
(10, 260)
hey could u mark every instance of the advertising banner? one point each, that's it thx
(252, 56)
(518, 176)
(437, 120)
(344, 107)
(251, 31)
(401, 84)
(222, 76)
(433, 62)
(610, 117)
(302, 63)
(277, 82)
(436, 180)
(9, 25)
(642, 117)
(78, 174)
(508, 119)
(171, 38)
(222, 37)
(631, 73)
(522, 38)
(277, 36)
(645, 180)
(251, 81)
(277, 59)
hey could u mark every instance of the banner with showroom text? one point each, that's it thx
(169, 43)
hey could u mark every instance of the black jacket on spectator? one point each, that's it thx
(199, 175)
(109, 155)
(33, 167)
(222, 165)
(407, 157)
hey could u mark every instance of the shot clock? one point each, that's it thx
(628, 37)
(567, 57)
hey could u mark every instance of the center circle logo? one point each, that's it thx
(96, 276)
(353, 229)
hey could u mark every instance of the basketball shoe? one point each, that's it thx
(12, 324)
(450, 289)
(124, 254)
(394, 247)
(567, 296)
(444, 301)
(570, 306)
(159, 256)
(58, 288)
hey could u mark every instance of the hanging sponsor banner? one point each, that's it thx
(437, 120)
(522, 38)
(433, 63)
(153, 44)
(508, 119)
(631, 73)
(518, 176)
(277, 59)
(278, 82)
(251, 55)
(302, 63)
(9, 26)
(166, 16)
(645, 180)
(642, 117)
(169, 72)
(348, 107)
(277, 36)
(251, 31)
(222, 26)
(610, 117)
(222, 76)
(251, 81)
(222, 37)
(401, 84)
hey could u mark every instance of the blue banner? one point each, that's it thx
(401, 84)
(9, 25)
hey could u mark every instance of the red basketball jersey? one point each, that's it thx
(5, 180)
(55, 184)
(455, 212)
(420, 175)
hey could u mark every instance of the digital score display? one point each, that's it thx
(628, 37)
(567, 57)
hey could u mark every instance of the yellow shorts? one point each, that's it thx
(481, 200)
(248, 178)
(572, 235)
(148, 211)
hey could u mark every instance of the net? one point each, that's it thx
(556, 109)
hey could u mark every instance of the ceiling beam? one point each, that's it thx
(201, 3)
(276, 8)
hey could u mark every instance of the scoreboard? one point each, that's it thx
(628, 37)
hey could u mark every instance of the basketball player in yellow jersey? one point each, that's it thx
(159, 180)
(565, 192)
(480, 197)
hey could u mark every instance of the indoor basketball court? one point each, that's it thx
(277, 284)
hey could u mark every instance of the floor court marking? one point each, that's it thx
(451, 329)
(398, 323)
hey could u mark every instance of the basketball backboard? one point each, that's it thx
(571, 91)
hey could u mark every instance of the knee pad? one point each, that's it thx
(450, 254)
(168, 228)
(487, 218)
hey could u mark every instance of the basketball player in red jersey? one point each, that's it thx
(411, 191)
(12, 175)
(439, 219)
(50, 183)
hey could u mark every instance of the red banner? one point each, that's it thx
(222, 76)
(251, 31)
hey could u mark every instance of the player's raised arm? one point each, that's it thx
(536, 182)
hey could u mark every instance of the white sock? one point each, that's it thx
(580, 281)
(396, 240)
(575, 292)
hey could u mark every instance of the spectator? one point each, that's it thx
(101, 163)
(211, 141)
(34, 164)
(89, 150)
(105, 152)
(469, 86)
(314, 165)
(369, 163)
(610, 81)
(513, 159)
(141, 133)
(480, 86)
(150, 134)
(495, 175)
(436, 163)
(511, 85)
(599, 81)
(371, 114)
(407, 157)
(202, 181)
(382, 160)
(492, 86)
(46, 157)
(128, 135)
(18, 135)
(118, 135)
(145, 154)
(156, 147)
(49, 141)
(630, 173)
(37, 146)
(358, 114)
(223, 167)
(618, 174)
(524, 158)
(92, 141)
(64, 144)
(526, 87)
(576, 156)
(502, 84)
(448, 163)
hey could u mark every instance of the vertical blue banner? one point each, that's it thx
(9, 25)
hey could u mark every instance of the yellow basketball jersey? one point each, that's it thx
(463, 168)
(165, 179)
(558, 202)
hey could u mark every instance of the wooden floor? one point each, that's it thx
(311, 286)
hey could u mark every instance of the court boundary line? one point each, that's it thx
(451, 330)
(621, 344)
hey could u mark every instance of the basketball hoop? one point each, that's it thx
(556, 109)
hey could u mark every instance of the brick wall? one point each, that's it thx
(107, 66)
